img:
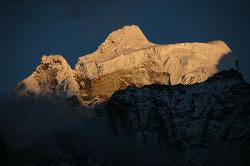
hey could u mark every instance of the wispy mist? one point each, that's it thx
(45, 131)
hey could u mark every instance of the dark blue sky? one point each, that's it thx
(30, 28)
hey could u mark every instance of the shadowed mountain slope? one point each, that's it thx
(192, 122)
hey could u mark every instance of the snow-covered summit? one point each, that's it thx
(127, 58)
(53, 77)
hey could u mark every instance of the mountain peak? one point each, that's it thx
(130, 33)
(127, 58)
(53, 77)
(53, 59)
(124, 39)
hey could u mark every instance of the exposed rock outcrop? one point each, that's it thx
(126, 58)
(205, 123)
(195, 123)
(53, 77)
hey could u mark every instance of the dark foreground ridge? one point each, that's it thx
(195, 123)
(201, 124)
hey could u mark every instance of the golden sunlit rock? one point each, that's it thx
(126, 58)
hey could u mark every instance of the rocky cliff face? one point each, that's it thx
(126, 58)
(172, 100)
(53, 77)
(193, 122)
(204, 124)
